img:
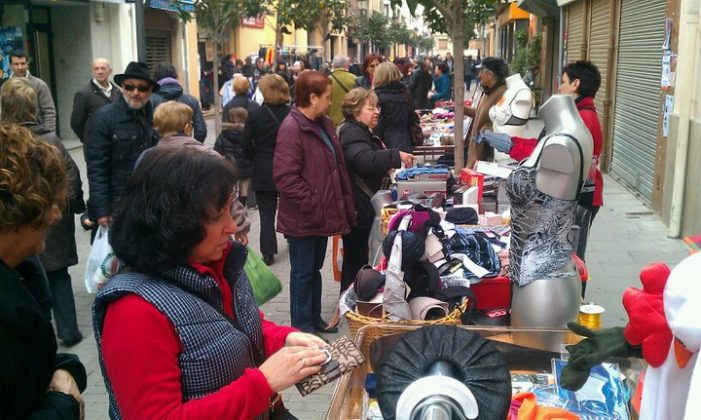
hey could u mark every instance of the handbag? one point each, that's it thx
(343, 356)
(264, 282)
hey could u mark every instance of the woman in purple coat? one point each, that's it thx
(316, 199)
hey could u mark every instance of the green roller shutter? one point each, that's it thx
(637, 100)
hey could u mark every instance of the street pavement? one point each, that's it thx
(626, 236)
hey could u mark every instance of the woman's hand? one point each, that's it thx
(304, 340)
(290, 365)
(407, 159)
(62, 381)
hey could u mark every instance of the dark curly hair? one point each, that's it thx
(587, 74)
(32, 179)
(168, 201)
(498, 66)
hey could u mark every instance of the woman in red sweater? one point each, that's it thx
(178, 333)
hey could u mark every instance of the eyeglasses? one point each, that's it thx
(140, 88)
(373, 108)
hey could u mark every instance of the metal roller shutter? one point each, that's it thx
(599, 41)
(575, 31)
(637, 93)
(158, 49)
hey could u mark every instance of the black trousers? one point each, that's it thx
(63, 304)
(355, 255)
(267, 207)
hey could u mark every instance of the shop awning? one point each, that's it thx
(173, 5)
(542, 8)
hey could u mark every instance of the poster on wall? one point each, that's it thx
(666, 70)
(666, 112)
(10, 39)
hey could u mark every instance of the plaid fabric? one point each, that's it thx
(215, 352)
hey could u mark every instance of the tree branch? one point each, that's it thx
(443, 9)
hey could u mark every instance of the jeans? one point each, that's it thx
(306, 259)
(267, 206)
(355, 255)
(63, 304)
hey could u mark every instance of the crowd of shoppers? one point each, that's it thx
(175, 210)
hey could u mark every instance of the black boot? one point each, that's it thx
(321, 326)
(268, 259)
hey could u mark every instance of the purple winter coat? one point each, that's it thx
(316, 198)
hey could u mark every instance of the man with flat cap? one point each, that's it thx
(116, 135)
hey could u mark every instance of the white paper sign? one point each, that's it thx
(668, 107)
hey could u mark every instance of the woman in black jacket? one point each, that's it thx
(396, 106)
(17, 103)
(368, 162)
(258, 143)
(35, 381)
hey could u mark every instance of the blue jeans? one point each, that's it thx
(306, 259)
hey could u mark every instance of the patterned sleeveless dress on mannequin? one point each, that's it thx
(540, 227)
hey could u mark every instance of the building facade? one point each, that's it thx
(62, 37)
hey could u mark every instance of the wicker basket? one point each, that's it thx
(356, 321)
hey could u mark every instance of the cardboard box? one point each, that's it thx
(466, 196)
(493, 169)
(473, 179)
(488, 204)
(431, 177)
(406, 189)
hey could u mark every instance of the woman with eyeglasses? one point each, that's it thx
(368, 162)
(179, 334)
(369, 65)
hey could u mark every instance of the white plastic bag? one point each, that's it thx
(102, 264)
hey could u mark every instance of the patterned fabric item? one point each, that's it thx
(345, 357)
(477, 247)
(540, 227)
(215, 350)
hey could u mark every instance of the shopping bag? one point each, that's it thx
(264, 282)
(102, 263)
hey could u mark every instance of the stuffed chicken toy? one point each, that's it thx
(665, 329)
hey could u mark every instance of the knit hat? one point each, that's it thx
(412, 247)
(462, 216)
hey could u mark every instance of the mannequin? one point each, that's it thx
(380, 200)
(543, 192)
(510, 116)
(511, 112)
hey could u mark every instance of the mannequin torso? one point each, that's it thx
(543, 191)
(510, 114)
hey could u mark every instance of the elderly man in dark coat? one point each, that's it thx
(98, 92)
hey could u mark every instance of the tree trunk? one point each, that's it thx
(217, 97)
(459, 78)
